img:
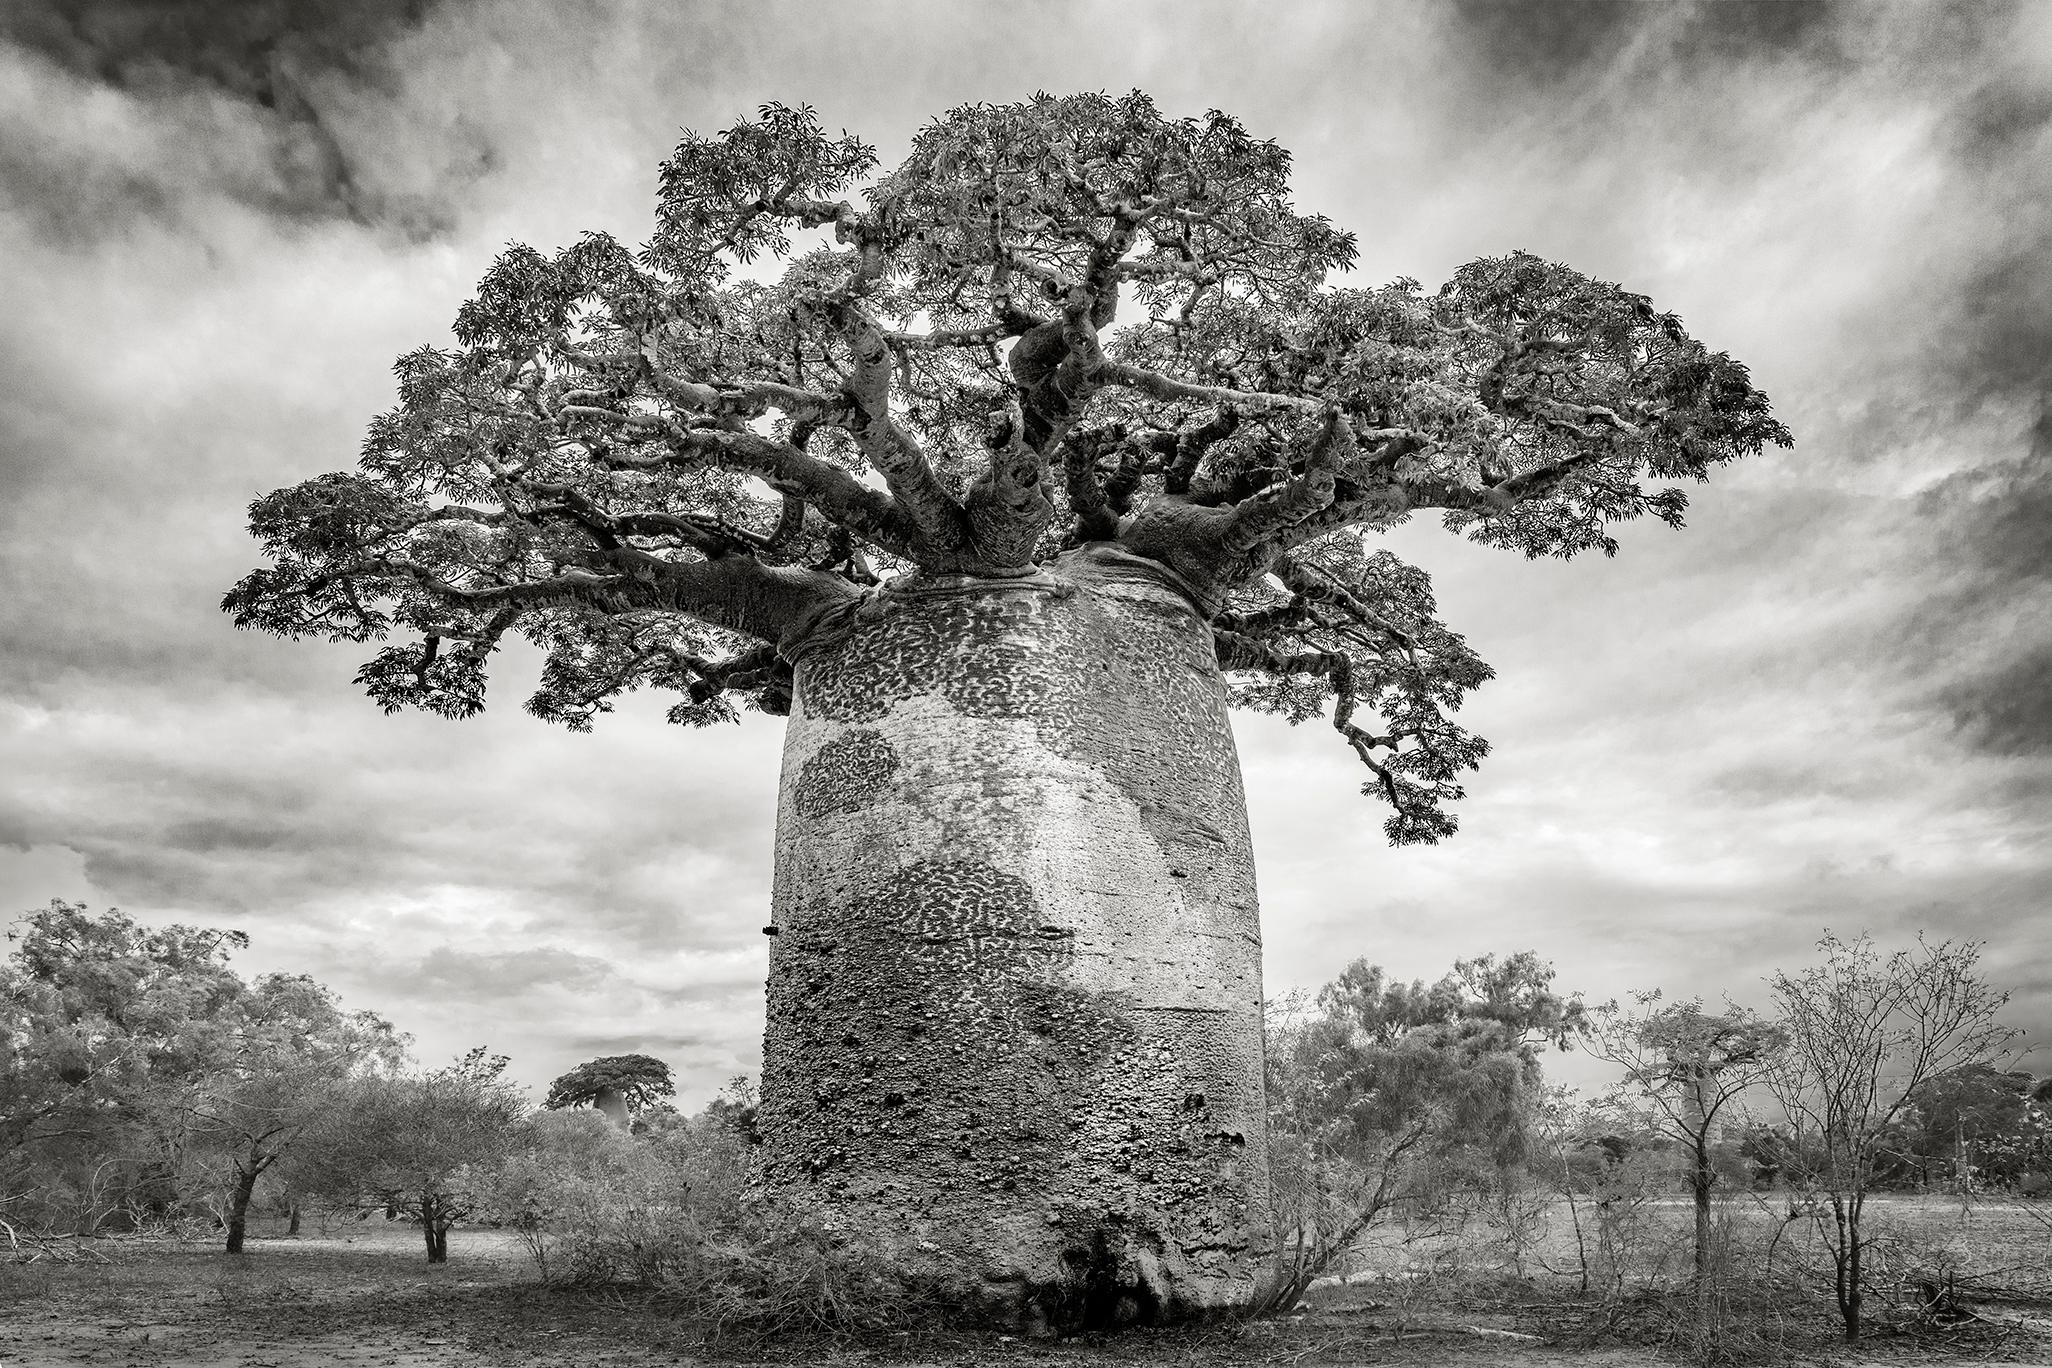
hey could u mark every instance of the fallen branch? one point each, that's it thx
(1487, 1333)
(26, 1247)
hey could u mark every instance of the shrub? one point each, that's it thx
(663, 1210)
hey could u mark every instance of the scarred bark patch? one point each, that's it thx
(970, 649)
(1149, 714)
(846, 775)
(915, 1008)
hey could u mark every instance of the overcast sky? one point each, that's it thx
(1826, 703)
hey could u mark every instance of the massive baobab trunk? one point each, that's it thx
(1015, 994)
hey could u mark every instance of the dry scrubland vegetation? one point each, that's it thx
(1433, 1198)
(349, 1292)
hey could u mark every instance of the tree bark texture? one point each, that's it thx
(432, 1231)
(238, 1209)
(1701, 1176)
(1014, 1004)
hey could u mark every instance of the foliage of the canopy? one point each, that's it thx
(1061, 321)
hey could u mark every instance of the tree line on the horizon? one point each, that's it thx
(146, 1084)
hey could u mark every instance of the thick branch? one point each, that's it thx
(737, 592)
(1007, 507)
(1309, 582)
(932, 510)
(1265, 516)
(1191, 444)
(1171, 390)
(869, 513)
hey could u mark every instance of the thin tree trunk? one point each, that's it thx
(292, 1217)
(1854, 1290)
(238, 1208)
(1845, 1262)
(427, 1228)
(1015, 991)
(1567, 1186)
(1700, 1180)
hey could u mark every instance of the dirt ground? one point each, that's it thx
(363, 1296)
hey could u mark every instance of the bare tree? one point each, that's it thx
(1866, 1031)
(1688, 1066)
(1062, 446)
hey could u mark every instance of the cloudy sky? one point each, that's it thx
(1826, 703)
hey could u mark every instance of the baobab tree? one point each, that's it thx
(1042, 451)
(618, 1085)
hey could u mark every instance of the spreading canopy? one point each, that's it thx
(640, 1080)
(1064, 321)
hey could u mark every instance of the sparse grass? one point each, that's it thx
(362, 1293)
(1942, 1278)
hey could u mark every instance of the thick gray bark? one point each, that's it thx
(1015, 992)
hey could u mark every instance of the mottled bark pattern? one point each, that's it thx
(1014, 1005)
(846, 774)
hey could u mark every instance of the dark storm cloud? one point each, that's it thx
(1573, 39)
(2008, 710)
(1544, 43)
(1929, 322)
(254, 100)
(256, 49)
(473, 976)
(2005, 509)
(1990, 527)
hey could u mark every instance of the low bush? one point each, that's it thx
(663, 1210)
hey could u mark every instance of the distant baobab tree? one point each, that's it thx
(1043, 450)
(618, 1085)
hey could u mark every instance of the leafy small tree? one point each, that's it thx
(618, 1085)
(425, 1144)
(1971, 1122)
(735, 1109)
(1688, 1066)
(277, 1066)
(595, 1204)
(1866, 1031)
(1383, 1079)
(92, 1007)
(98, 1015)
